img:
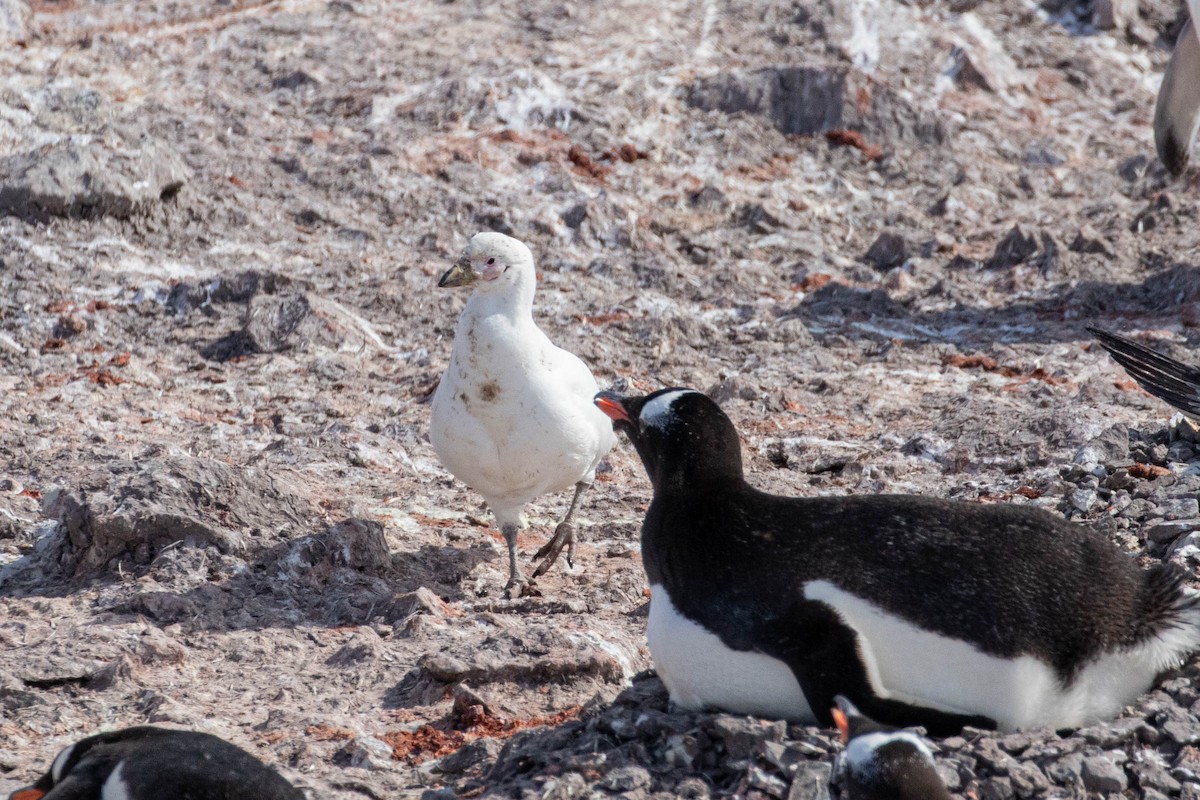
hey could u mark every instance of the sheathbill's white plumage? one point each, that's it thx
(513, 415)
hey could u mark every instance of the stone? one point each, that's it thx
(888, 250)
(1015, 248)
(811, 781)
(811, 100)
(744, 736)
(357, 544)
(1087, 240)
(15, 16)
(90, 180)
(147, 505)
(1027, 780)
(1110, 15)
(1110, 447)
(1182, 731)
(1066, 771)
(626, 779)
(1100, 774)
(996, 789)
(1154, 776)
(979, 59)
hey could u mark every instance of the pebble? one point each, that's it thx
(811, 781)
(626, 779)
(1100, 774)
(1027, 780)
(996, 789)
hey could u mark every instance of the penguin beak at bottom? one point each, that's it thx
(28, 793)
(841, 711)
(613, 406)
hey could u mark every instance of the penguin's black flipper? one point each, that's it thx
(823, 653)
(1160, 375)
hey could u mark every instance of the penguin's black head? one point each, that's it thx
(84, 763)
(851, 722)
(147, 763)
(882, 762)
(683, 437)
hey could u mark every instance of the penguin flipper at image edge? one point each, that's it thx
(922, 610)
(1177, 110)
(1172, 381)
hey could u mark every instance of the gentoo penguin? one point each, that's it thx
(148, 763)
(1177, 112)
(882, 763)
(922, 611)
(513, 415)
(1162, 376)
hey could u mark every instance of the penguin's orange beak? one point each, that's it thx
(610, 404)
(843, 724)
(28, 793)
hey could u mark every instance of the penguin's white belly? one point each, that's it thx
(917, 666)
(700, 671)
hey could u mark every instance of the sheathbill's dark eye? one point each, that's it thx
(491, 261)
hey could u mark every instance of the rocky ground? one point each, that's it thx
(874, 230)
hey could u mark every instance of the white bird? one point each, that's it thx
(513, 415)
(1177, 112)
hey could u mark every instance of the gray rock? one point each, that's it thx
(357, 544)
(626, 779)
(146, 506)
(1182, 732)
(1066, 771)
(1114, 734)
(1087, 240)
(1154, 776)
(888, 250)
(991, 756)
(1110, 15)
(1179, 507)
(365, 752)
(1100, 774)
(811, 781)
(1110, 447)
(1027, 780)
(996, 789)
(800, 100)
(744, 736)
(1166, 532)
(950, 775)
(89, 180)
(693, 789)
(758, 778)
(1015, 248)
(812, 100)
(15, 16)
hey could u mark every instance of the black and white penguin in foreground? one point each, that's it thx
(922, 611)
(882, 763)
(148, 763)
(1162, 376)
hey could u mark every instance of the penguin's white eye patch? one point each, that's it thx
(60, 763)
(658, 412)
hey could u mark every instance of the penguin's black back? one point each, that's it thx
(160, 763)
